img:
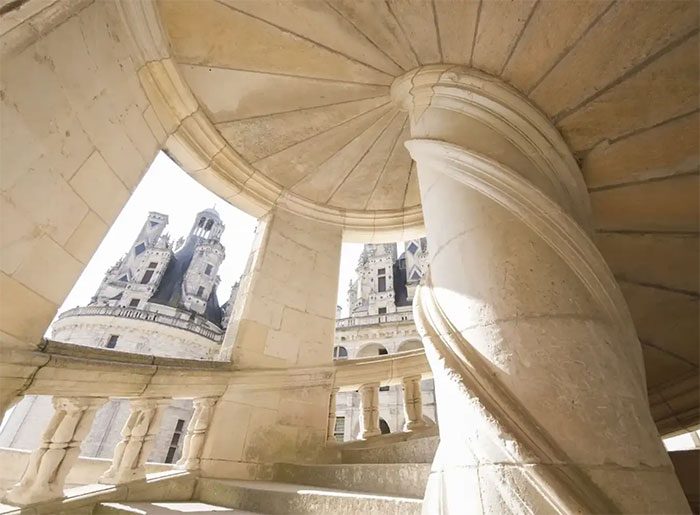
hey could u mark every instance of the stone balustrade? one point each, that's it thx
(81, 379)
(404, 316)
(367, 375)
(139, 314)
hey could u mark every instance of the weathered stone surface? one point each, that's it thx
(653, 310)
(417, 20)
(191, 24)
(380, 27)
(456, 21)
(670, 82)
(590, 67)
(661, 151)
(321, 184)
(87, 236)
(553, 30)
(498, 30)
(272, 497)
(258, 137)
(666, 260)
(403, 479)
(671, 205)
(355, 191)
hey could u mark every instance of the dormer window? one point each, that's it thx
(207, 270)
(134, 303)
(200, 291)
(381, 280)
(139, 248)
(152, 264)
(147, 277)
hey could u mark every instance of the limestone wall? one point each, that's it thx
(77, 135)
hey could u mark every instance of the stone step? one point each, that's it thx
(417, 450)
(285, 498)
(163, 508)
(402, 479)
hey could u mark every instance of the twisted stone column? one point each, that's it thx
(49, 464)
(412, 403)
(369, 404)
(537, 367)
(138, 435)
(196, 433)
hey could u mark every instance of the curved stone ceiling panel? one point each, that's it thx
(300, 90)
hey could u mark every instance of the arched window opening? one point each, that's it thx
(409, 345)
(372, 349)
(384, 427)
(340, 352)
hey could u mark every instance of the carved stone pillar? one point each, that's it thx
(369, 403)
(412, 403)
(138, 434)
(330, 430)
(50, 463)
(537, 366)
(196, 433)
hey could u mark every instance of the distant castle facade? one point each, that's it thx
(159, 298)
(380, 321)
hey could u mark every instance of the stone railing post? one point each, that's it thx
(369, 399)
(330, 431)
(50, 463)
(137, 440)
(412, 403)
(196, 433)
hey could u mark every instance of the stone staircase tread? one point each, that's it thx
(353, 465)
(168, 508)
(293, 488)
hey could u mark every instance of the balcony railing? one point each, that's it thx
(403, 316)
(81, 379)
(140, 314)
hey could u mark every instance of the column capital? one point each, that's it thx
(487, 117)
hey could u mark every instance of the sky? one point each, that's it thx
(167, 189)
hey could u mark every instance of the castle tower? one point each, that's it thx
(135, 277)
(201, 279)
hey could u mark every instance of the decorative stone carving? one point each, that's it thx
(536, 363)
(137, 440)
(369, 401)
(412, 403)
(196, 433)
(50, 463)
(330, 431)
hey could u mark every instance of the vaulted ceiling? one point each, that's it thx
(300, 89)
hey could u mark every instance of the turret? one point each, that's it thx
(201, 278)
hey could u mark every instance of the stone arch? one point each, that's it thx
(372, 349)
(409, 345)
